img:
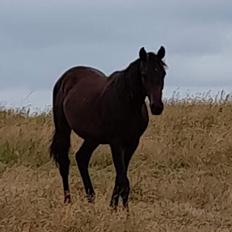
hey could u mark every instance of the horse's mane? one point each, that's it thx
(120, 79)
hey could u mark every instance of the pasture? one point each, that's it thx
(181, 175)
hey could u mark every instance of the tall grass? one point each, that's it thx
(181, 174)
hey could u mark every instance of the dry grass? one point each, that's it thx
(181, 175)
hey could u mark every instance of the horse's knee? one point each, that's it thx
(122, 182)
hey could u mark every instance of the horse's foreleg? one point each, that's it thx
(121, 187)
(129, 151)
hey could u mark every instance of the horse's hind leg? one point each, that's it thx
(83, 156)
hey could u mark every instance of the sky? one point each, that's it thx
(41, 39)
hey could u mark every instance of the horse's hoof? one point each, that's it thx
(91, 198)
(114, 205)
(126, 207)
(113, 208)
(67, 198)
(125, 204)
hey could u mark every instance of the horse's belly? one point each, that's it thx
(93, 127)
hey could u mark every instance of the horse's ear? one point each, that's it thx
(161, 52)
(143, 54)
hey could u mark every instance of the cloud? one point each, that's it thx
(41, 39)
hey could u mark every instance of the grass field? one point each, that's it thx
(181, 175)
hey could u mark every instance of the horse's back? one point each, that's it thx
(82, 76)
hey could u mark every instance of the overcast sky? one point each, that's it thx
(41, 39)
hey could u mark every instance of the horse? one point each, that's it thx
(105, 110)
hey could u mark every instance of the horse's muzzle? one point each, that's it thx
(156, 110)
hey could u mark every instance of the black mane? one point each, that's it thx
(127, 82)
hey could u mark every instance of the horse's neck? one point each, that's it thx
(134, 83)
(128, 86)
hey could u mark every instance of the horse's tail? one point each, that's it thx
(61, 138)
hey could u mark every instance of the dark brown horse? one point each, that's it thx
(106, 110)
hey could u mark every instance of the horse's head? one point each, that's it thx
(152, 70)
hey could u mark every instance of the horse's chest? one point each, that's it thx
(128, 127)
(134, 125)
